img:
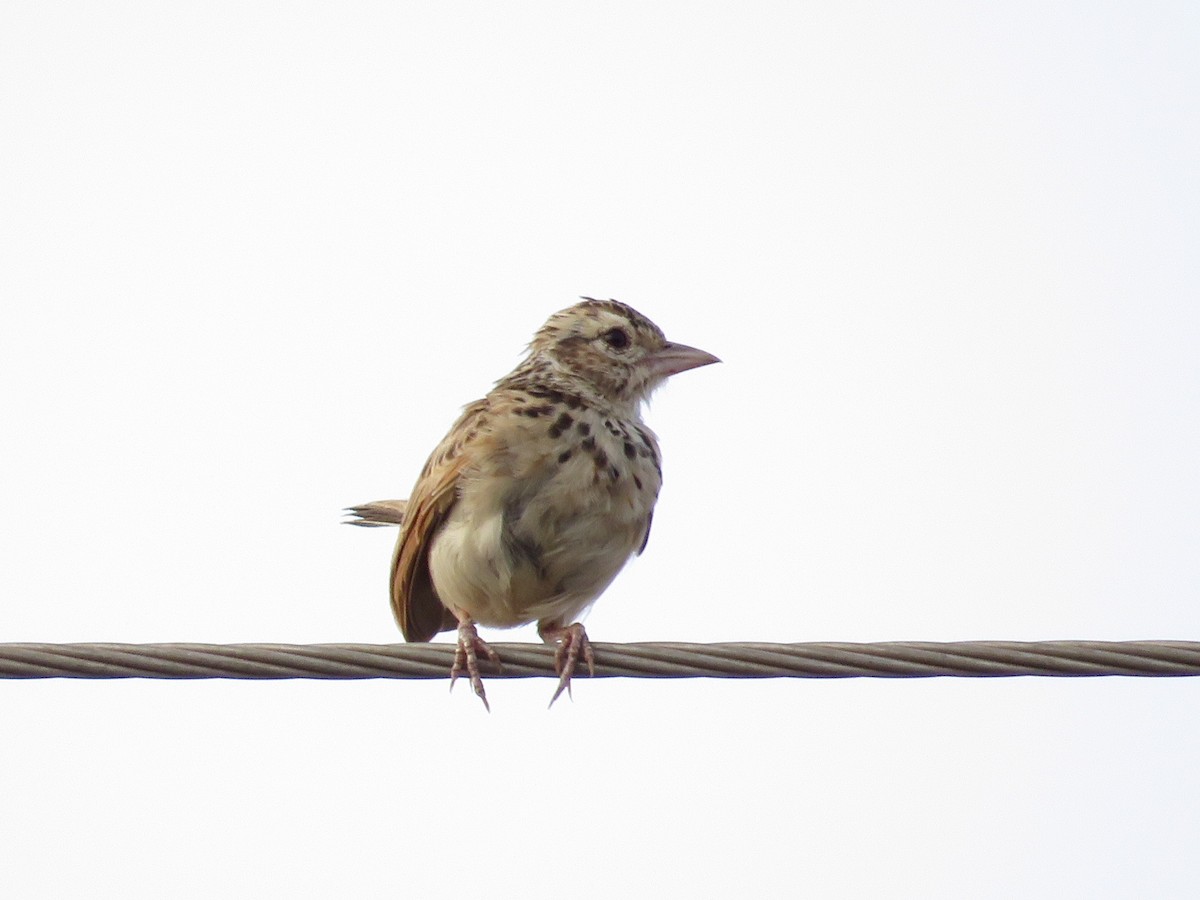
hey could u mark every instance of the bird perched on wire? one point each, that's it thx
(540, 493)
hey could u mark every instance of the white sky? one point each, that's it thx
(255, 256)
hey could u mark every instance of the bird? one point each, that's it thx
(540, 493)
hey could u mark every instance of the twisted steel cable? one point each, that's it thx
(897, 659)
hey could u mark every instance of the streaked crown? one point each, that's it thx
(604, 350)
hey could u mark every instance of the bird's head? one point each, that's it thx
(613, 349)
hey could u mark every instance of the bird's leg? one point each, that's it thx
(466, 656)
(572, 640)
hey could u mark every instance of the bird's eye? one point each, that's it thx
(617, 338)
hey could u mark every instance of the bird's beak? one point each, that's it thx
(672, 359)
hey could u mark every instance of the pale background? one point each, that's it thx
(254, 256)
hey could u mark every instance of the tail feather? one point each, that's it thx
(377, 514)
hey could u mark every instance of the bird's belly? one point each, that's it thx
(509, 557)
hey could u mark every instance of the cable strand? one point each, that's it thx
(896, 659)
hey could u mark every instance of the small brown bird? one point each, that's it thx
(540, 493)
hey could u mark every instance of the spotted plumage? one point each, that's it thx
(539, 495)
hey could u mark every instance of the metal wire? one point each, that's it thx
(900, 659)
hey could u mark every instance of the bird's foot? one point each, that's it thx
(572, 642)
(466, 657)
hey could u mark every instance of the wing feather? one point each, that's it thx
(646, 534)
(419, 611)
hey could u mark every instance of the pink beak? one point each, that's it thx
(675, 358)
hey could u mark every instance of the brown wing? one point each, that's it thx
(418, 610)
(646, 536)
(650, 442)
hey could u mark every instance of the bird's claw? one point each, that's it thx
(466, 657)
(572, 642)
